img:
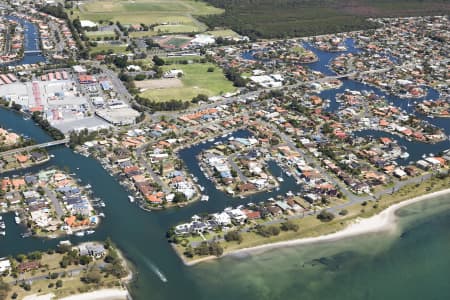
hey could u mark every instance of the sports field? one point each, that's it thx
(172, 16)
(196, 80)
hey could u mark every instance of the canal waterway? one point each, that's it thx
(32, 49)
(407, 265)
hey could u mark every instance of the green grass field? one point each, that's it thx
(177, 28)
(174, 16)
(107, 47)
(223, 33)
(196, 80)
(100, 34)
(177, 41)
(142, 34)
(176, 60)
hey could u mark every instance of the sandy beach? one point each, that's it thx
(382, 222)
(106, 294)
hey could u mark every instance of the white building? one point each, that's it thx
(201, 40)
(223, 219)
(5, 265)
(87, 24)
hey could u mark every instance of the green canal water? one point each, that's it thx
(412, 263)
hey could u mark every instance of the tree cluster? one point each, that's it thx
(209, 248)
(233, 236)
(289, 225)
(325, 216)
(267, 231)
(44, 124)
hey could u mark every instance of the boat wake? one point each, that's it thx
(155, 270)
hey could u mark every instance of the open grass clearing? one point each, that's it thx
(196, 80)
(142, 34)
(173, 16)
(121, 48)
(223, 33)
(179, 59)
(100, 34)
(163, 83)
(177, 28)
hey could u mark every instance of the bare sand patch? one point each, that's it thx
(106, 294)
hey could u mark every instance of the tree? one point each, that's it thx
(215, 249)
(92, 276)
(343, 212)
(111, 257)
(85, 260)
(179, 198)
(21, 257)
(59, 283)
(233, 236)
(121, 61)
(158, 61)
(289, 225)
(200, 97)
(267, 231)
(325, 216)
(189, 252)
(36, 255)
(140, 77)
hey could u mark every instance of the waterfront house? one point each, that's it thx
(28, 266)
(236, 215)
(223, 219)
(5, 265)
(95, 250)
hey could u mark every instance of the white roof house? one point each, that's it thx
(5, 265)
(237, 215)
(222, 219)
